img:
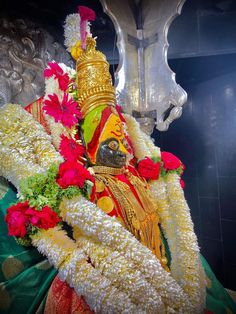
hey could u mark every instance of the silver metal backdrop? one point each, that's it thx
(145, 84)
(25, 50)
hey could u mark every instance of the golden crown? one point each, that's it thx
(94, 80)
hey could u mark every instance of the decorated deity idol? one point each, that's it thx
(98, 200)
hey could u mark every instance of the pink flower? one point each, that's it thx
(56, 70)
(86, 14)
(64, 111)
(45, 218)
(17, 220)
(69, 149)
(171, 162)
(73, 173)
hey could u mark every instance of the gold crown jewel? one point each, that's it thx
(94, 80)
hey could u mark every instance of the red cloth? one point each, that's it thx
(64, 300)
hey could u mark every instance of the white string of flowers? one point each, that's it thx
(72, 30)
(176, 221)
(73, 266)
(95, 223)
(123, 274)
(44, 246)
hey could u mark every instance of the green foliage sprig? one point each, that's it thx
(42, 189)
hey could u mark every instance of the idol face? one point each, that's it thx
(110, 155)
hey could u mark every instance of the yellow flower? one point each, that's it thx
(76, 50)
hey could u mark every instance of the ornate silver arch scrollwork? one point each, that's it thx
(25, 50)
(145, 84)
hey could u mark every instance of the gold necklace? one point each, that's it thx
(140, 215)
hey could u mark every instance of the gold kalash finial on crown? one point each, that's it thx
(93, 79)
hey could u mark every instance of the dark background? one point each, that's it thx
(203, 54)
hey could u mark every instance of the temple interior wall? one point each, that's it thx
(202, 53)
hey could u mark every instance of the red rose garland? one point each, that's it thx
(170, 161)
(73, 173)
(21, 217)
(148, 169)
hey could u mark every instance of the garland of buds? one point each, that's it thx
(95, 223)
(74, 267)
(25, 147)
(123, 273)
(33, 217)
(176, 221)
(140, 272)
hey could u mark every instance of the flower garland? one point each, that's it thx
(188, 255)
(122, 273)
(53, 80)
(175, 217)
(31, 141)
(25, 147)
(74, 267)
(92, 221)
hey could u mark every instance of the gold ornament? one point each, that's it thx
(141, 218)
(106, 204)
(100, 186)
(94, 80)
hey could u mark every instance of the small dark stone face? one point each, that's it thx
(109, 154)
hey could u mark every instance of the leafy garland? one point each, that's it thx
(42, 189)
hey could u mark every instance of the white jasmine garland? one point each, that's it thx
(70, 71)
(26, 149)
(73, 266)
(176, 221)
(122, 273)
(95, 223)
(72, 30)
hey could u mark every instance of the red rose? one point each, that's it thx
(148, 169)
(72, 173)
(182, 183)
(17, 220)
(171, 162)
(45, 218)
